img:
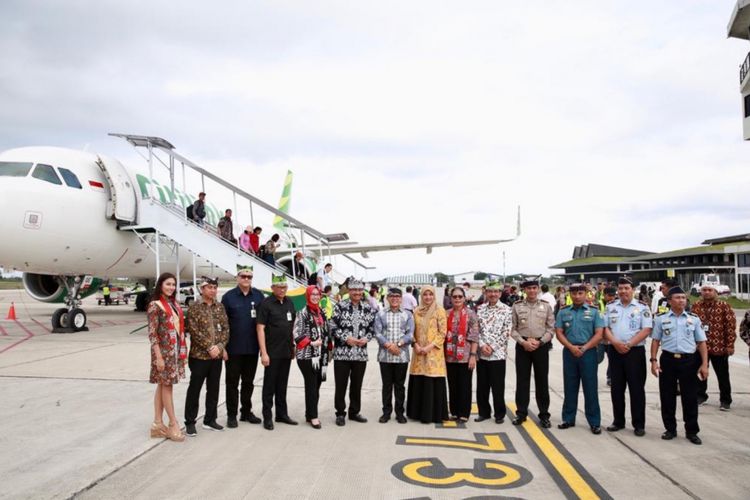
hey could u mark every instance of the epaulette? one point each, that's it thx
(662, 313)
(565, 307)
(644, 303)
(692, 314)
(611, 301)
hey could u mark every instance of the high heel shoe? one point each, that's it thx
(159, 430)
(175, 433)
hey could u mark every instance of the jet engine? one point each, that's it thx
(49, 288)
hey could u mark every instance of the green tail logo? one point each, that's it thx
(284, 203)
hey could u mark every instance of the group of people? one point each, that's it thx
(438, 347)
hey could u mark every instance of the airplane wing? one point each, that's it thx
(364, 250)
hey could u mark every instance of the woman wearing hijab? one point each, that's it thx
(427, 399)
(166, 332)
(461, 343)
(311, 337)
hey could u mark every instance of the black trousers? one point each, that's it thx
(313, 380)
(393, 376)
(490, 376)
(721, 368)
(342, 372)
(628, 370)
(275, 380)
(539, 360)
(682, 370)
(208, 370)
(240, 367)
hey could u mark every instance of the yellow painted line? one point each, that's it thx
(449, 423)
(474, 409)
(558, 460)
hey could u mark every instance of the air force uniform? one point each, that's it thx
(579, 325)
(629, 369)
(678, 335)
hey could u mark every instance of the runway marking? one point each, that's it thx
(45, 328)
(29, 334)
(487, 443)
(431, 472)
(570, 476)
(3, 331)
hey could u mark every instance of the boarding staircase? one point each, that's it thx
(166, 218)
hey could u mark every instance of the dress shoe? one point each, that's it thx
(268, 425)
(595, 429)
(400, 419)
(615, 428)
(565, 425)
(702, 401)
(250, 418)
(639, 432)
(358, 418)
(286, 420)
(480, 418)
(213, 426)
(518, 420)
(545, 423)
(315, 426)
(232, 422)
(340, 420)
(669, 435)
(499, 420)
(384, 418)
(693, 438)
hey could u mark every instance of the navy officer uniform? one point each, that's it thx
(625, 322)
(680, 336)
(579, 328)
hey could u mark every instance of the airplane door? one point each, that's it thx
(123, 203)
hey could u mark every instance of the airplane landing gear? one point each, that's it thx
(72, 318)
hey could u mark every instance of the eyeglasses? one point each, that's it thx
(246, 276)
(457, 296)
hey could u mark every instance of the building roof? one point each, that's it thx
(596, 250)
(701, 250)
(588, 261)
(738, 238)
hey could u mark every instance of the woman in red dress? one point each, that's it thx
(168, 353)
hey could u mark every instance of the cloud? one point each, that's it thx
(610, 123)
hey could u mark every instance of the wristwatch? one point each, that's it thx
(472, 354)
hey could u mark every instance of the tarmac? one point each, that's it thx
(76, 410)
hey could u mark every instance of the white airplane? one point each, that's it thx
(73, 219)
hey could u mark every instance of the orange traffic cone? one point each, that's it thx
(12, 311)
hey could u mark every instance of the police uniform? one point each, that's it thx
(532, 320)
(629, 369)
(678, 335)
(579, 325)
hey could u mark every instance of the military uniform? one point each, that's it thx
(678, 335)
(532, 320)
(629, 369)
(579, 325)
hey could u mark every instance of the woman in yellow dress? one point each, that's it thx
(427, 400)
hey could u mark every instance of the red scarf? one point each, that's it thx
(457, 350)
(170, 321)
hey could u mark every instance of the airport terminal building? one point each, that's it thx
(729, 257)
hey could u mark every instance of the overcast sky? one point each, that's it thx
(616, 123)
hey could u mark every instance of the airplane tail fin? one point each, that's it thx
(284, 202)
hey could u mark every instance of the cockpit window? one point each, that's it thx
(70, 178)
(46, 173)
(14, 169)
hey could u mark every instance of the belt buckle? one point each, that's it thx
(677, 355)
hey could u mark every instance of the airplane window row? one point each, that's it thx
(42, 172)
